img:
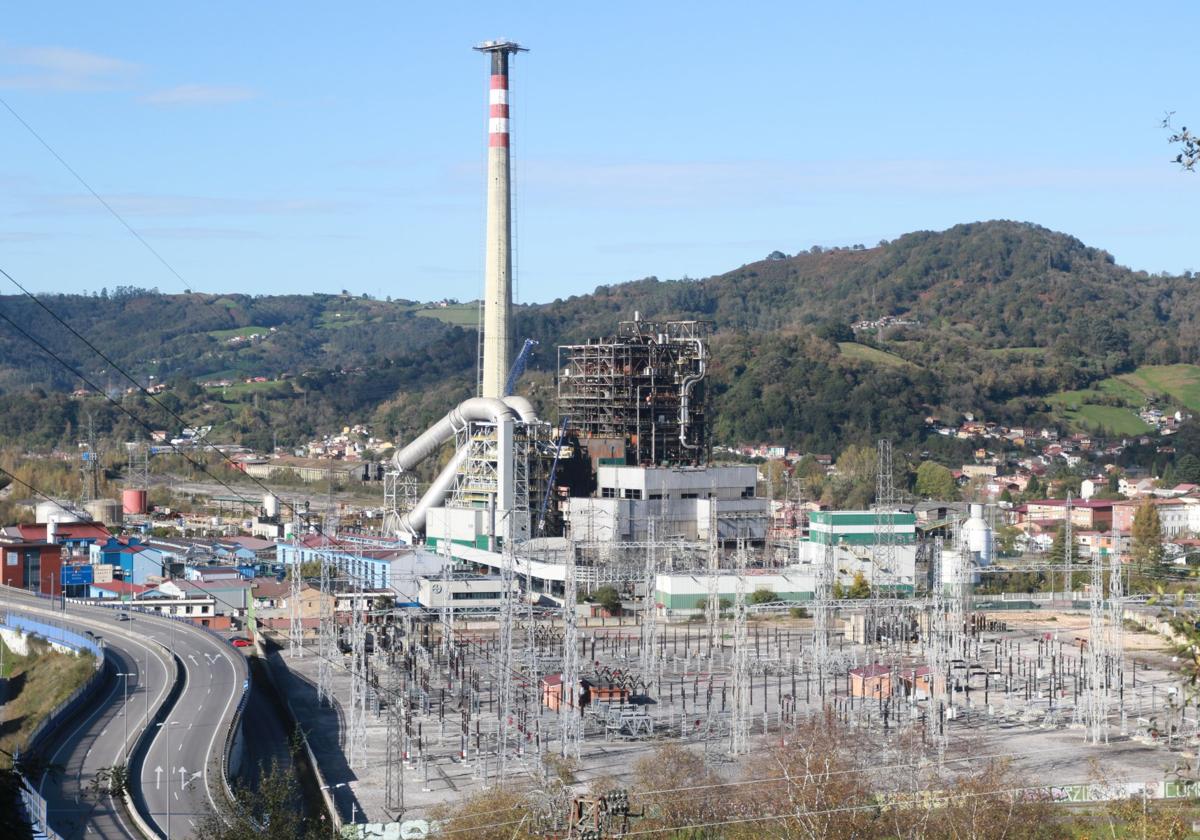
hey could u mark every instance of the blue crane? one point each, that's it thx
(558, 444)
(518, 366)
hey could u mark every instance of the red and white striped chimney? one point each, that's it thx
(497, 271)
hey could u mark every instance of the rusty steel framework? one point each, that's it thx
(639, 396)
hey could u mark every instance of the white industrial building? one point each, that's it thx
(681, 500)
(474, 592)
(687, 594)
(882, 545)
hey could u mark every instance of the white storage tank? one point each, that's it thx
(974, 549)
(60, 511)
(977, 537)
(110, 512)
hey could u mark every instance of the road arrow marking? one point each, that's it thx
(157, 777)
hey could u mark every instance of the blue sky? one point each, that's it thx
(274, 147)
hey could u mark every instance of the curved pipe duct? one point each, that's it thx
(413, 522)
(429, 441)
(685, 392)
(523, 408)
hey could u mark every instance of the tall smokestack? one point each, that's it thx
(497, 271)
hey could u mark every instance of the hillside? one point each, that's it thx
(997, 318)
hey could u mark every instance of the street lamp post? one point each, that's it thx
(125, 713)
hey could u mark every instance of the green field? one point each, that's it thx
(863, 353)
(244, 332)
(239, 388)
(1178, 383)
(1167, 385)
(462, 314)
(1110, 418)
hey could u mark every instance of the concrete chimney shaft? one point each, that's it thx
(497, 271)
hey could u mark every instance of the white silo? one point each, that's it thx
(61, 511)
(977, 538)
(971, 549)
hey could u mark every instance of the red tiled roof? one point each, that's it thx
(868, 671)
(67, 530)
(122, 588)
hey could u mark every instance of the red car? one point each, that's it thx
(239, 641)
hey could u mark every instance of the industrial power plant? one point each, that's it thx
(573, 571)
(592, 584)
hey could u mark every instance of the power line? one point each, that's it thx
(96, 195)
(130, 414)
(119, 406)
(136, 384)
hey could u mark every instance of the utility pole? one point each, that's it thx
(568, 708)
(1068, 549)
(739, 734)
(295, 625)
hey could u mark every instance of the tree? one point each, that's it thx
(1187, 469)
(763, 596)
(1147, 548)
(859, 588)
(1006, 539)
(670, 769)
(608, 598)
(271, 811)
(935, 481)
(1033, 487)
(1187, 143)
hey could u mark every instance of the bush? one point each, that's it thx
(763, 596)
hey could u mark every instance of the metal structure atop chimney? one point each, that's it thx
(638, 397)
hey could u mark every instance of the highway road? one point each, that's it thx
(96, 739)
(182, 777)
(187, 745)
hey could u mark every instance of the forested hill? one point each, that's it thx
(993, 318)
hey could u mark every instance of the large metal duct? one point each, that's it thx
(428, 442)
(523, 408)
(413, 522)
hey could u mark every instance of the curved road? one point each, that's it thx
(188, 745)
(96, 738)
(181, 776)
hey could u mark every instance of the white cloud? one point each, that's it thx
(200, 95)
(62, 68)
